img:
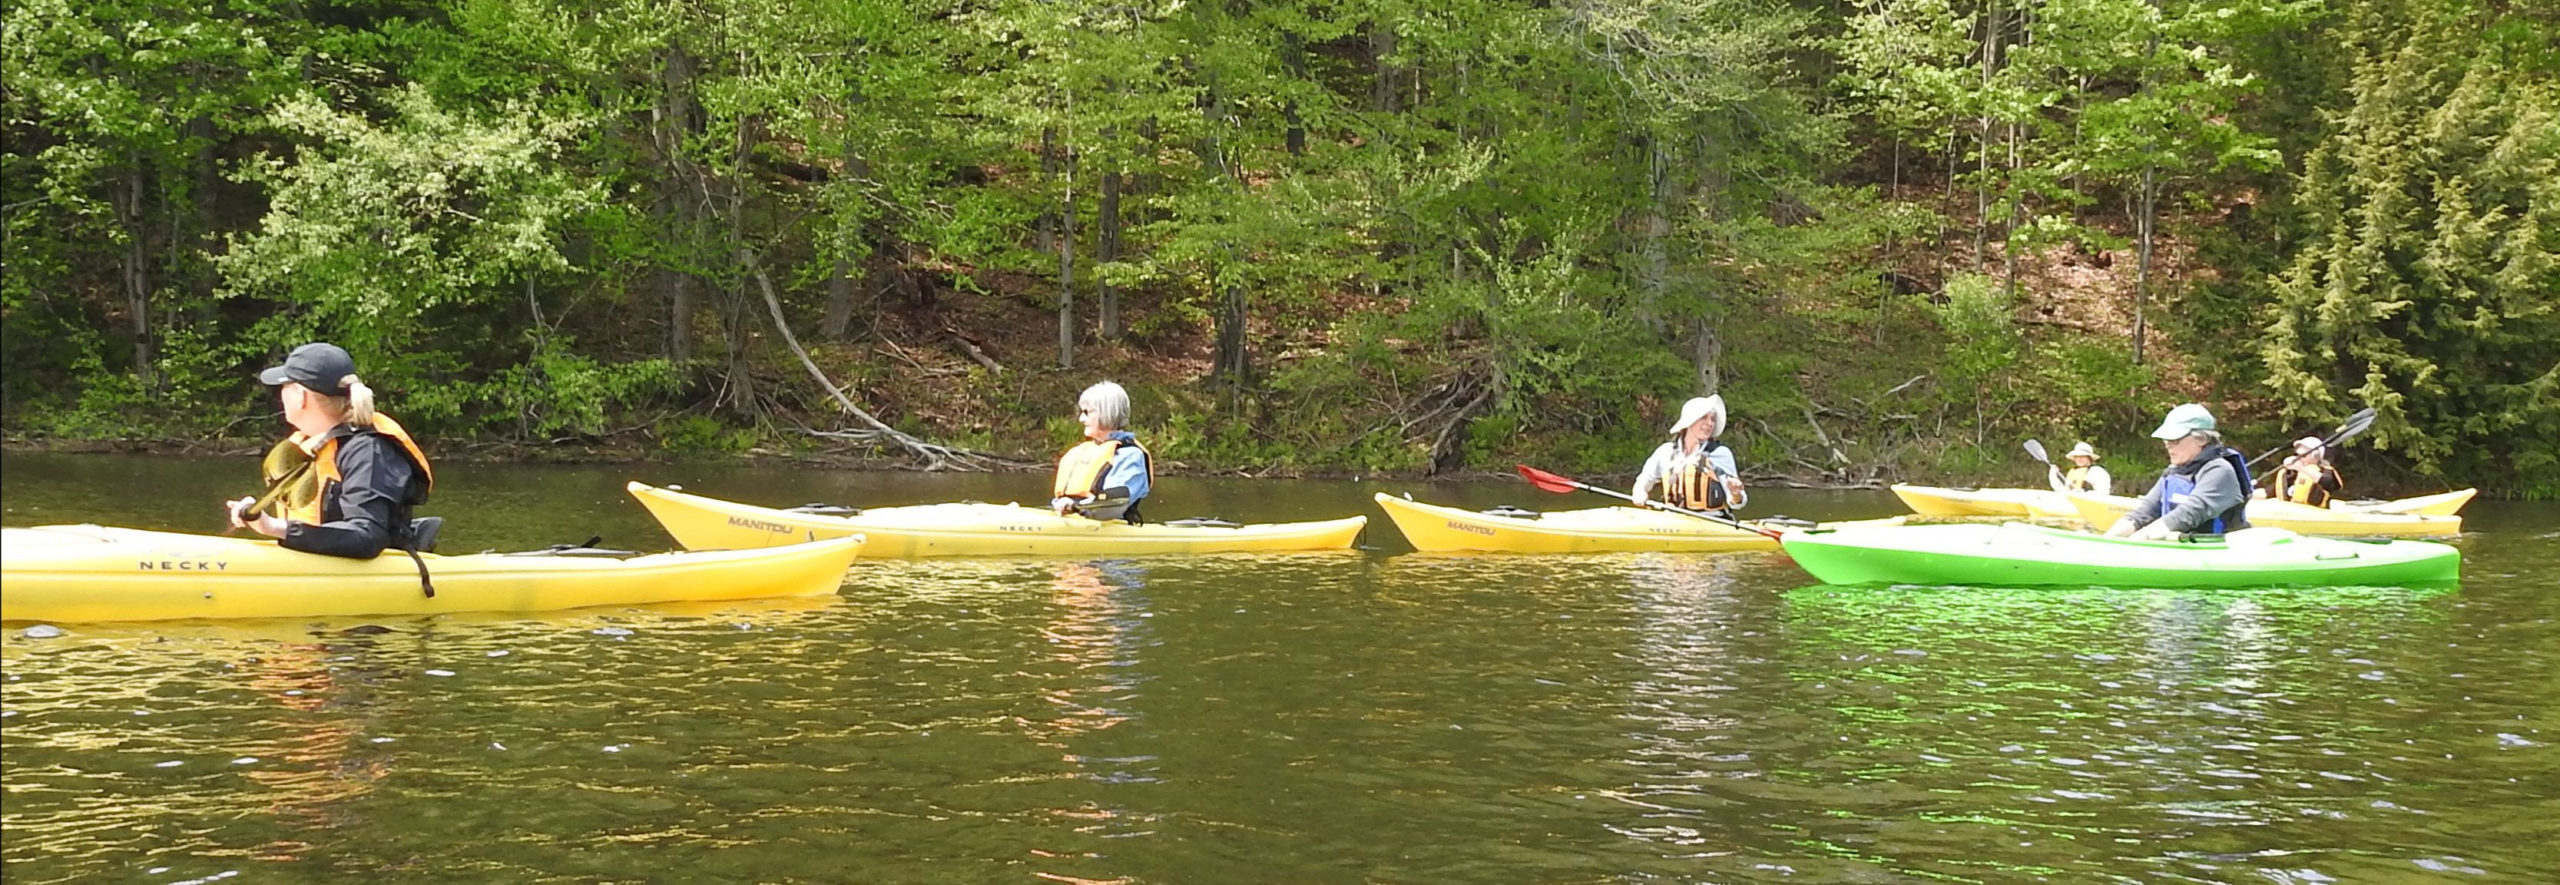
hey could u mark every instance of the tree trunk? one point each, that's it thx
(842, 294)
(1293, 56)
(1045, 233)
(839, 317)
(1106, 245)
(1982, 135)
(734, 314)
(1231, 362)
(1884, 287)
(2017, 212)
(1067, 263)
(1147, 182)
(134, 272)
(2149, 209)
(2009, 182)
(1227, 360)
(2142, 264)
(1706, 349)
(1385, 86)
(675, 119)
(1656, 254)
(1947, 185)
(204, 207)
(677, 288)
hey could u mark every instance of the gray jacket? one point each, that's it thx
(2219, 491)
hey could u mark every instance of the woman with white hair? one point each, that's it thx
(2085, 476)
(1109, 473)
(364, 472)
(2307, 477)
(1693, 469)
(2204, 491)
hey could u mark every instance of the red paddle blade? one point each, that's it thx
(1547, 481)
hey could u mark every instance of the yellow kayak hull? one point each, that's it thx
(2009, 503)
(1432, 528)
(88, 573)
(936, 530)
(2439, 504)
(2101, 511)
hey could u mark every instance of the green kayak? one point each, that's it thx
(2021, 555)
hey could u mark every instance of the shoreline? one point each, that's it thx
(490, 452)
(607, 453)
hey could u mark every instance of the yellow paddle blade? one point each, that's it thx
(285, 458)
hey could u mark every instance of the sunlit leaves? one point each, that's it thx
(374, 224)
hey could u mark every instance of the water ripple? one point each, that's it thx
(1310, 718)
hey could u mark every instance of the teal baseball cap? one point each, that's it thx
(2184, 420)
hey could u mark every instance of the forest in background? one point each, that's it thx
(1898, 236)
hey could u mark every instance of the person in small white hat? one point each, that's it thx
(2085, 475)
(2204, 491)
(1694, 471)
(2307, 477)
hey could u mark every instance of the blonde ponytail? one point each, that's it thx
(359, 402)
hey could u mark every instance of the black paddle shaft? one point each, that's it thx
(2356, 425)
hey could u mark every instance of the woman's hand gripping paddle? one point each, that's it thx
(1567, 485)
(284, 467)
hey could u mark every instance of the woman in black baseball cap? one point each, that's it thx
(352, 495)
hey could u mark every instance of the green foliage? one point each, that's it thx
(703, 435)
(2425, 286)
(1537, 222)
(1983, 343)
(2083, 377)
(374, 228)
(561, 392)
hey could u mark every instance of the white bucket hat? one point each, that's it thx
(2307, 444)
(1700, 407)
(2184, 420)
(2080, 449)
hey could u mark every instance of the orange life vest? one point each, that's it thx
(1081, 469)
(1693, 483)
(324, 474)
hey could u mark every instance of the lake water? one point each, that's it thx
(1372, 716)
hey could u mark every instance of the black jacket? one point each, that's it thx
(366, 511)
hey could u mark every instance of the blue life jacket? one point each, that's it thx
(2179, 484)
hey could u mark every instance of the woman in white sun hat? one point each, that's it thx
(2085, 475)
(2307, 477)
(2204, 491)
(1693, 470)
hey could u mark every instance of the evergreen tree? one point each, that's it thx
(2426, 284)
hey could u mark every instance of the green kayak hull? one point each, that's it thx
(2022, 555)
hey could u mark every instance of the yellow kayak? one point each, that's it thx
(2101, 511)
(2010, 503)
(80, 573)
(1436, 529)
(2439, 504)
(975, 530)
